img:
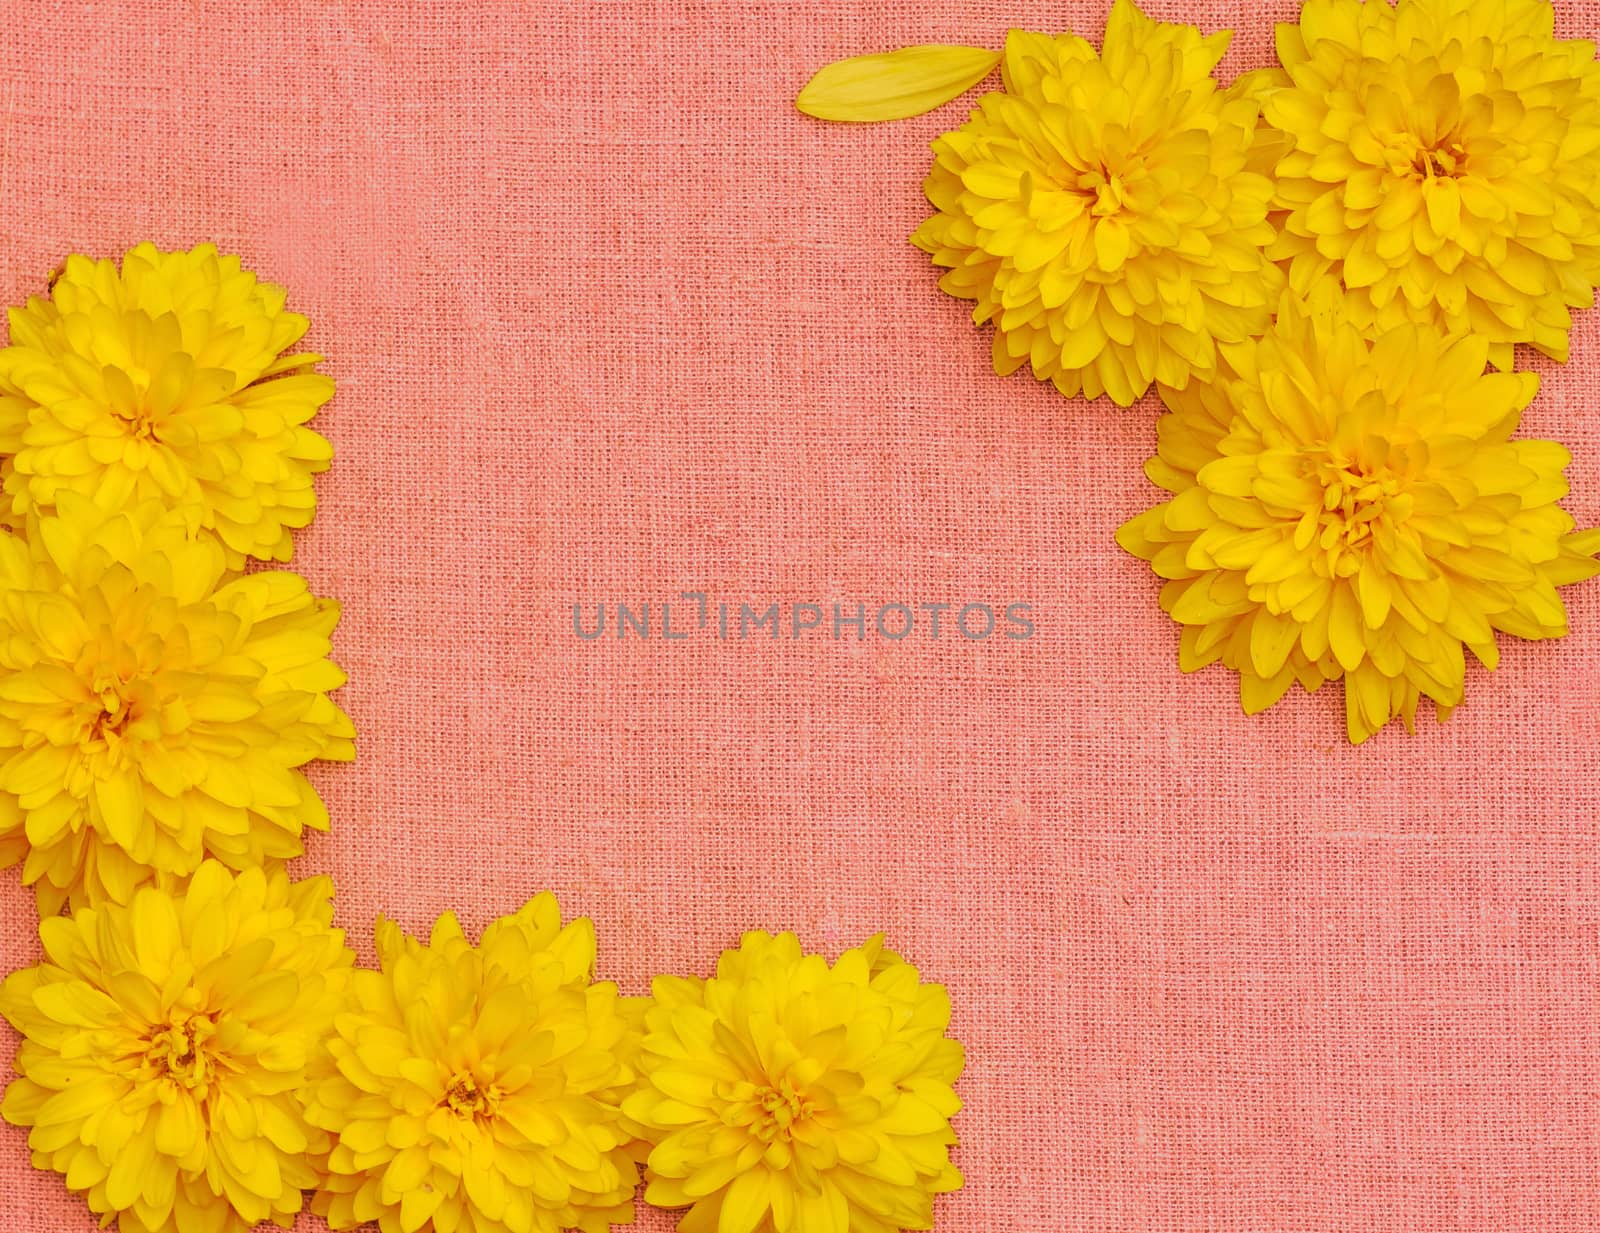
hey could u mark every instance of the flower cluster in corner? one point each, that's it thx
(1288, 262)
(157, 704)
(199, 1051)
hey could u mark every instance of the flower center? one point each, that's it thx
(1442, 159)
(107, 725)
(1359, 502)
(778, 1108)
(137, 423)
(466, 1098)
(178, 1050)
(113, 706)
(1105, 187)
(130, 403)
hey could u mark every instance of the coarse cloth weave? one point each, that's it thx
(610, 321)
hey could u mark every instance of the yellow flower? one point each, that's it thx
(478, 1089)
(1353, 509)
(1445, 165)
(151, 712)
(787, 1096)
(166, 380)
(1103, 212)
(164, 1043)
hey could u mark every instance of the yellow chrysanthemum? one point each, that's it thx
(166, 380)
(1445, 165)
(478, 1089)
(1357, 510)
(788, 1096)
(1103, 211)
(152, 712)
(164, 1043)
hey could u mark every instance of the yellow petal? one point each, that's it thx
(746, 1202)
(417, 1208)
(894, 85)
(177, 1127)
(121, 805)
(156, 935)
(1345, 625)
(1111, 244)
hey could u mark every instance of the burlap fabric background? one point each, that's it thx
(611, 321)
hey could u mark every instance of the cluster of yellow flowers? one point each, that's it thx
(156, 701)
(199, 1050)
(197, 1059)
(1316, 267)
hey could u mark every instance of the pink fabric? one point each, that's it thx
(611, 321)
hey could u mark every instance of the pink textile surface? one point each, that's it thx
(610, 321)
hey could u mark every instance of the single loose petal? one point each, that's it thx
(896, 84)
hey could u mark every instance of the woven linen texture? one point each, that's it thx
(611, 321)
